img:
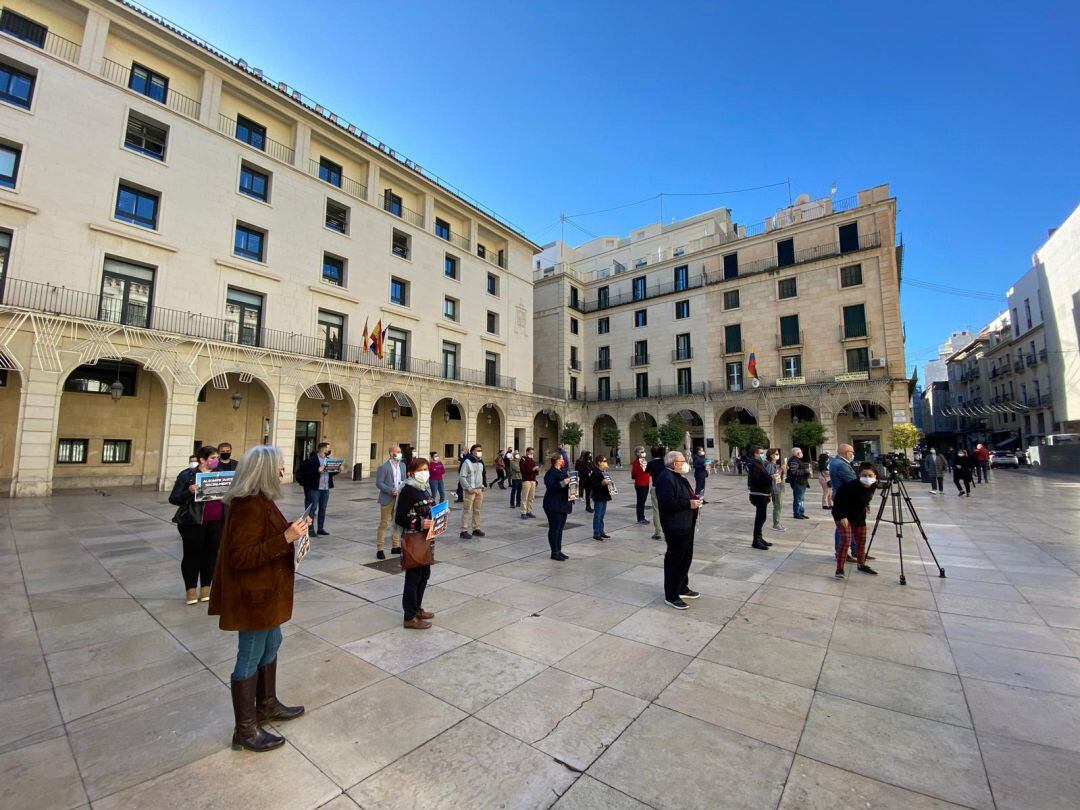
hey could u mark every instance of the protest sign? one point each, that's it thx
(212, 486)
(572, 487)
(333, 465)
(440, 517)
(612, 489)
(303, 544)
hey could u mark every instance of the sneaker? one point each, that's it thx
(524, 516)
(657, 537)
(605, 536)
(866, 569)
(204, 593)
(478, 533)
(530, 515)
(598, 537)
(642, 522)
(322, 532)
(563, 556)
(465, 536)
(191, 598)
(380, 555)
(678, 604)
(759, 544)
(839, 573)
(395, 549)
(689, 593)
(778, 528)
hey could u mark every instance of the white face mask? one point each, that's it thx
(422, 476)
(193, 465)
(434, 458)
(397, 456)
(867, 480)
(478, 454)
(684, 468)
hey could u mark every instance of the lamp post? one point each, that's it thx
(325, 407)
(116, 390)
(236, 398)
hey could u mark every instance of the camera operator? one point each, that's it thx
(850, 507)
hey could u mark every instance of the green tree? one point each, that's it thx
(904, 436)
(808, 434)
(672, 432)
(651, 437)
(756, 437)
(610, 437)
(736, 436)
(571, 435)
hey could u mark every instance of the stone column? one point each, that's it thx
(210, 99)
(423, 426)
(362, 433)
(301, 146)
(428, 210)
(35, 437)
(179, 432)
(95, 33)
(283, 430)
(373, 183)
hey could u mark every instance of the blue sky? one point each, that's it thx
(969, 111)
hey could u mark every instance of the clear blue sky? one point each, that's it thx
(969, 111)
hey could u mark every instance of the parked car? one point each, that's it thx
(1003, 458)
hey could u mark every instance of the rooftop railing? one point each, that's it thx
(177, 102)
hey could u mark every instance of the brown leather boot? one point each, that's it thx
(416, 623)
(423, 614)
(204, 593)
(248, 734)
(267, 706)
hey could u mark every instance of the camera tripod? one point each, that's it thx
(895, 493)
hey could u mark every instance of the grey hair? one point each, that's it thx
(795, 450)
(639, 449)
(670, 457)
(259, 471)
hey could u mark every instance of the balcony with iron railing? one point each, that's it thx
(495, 257)
(1042, 354)
(1046, 399)
(638, 359)
(353, 188)
(790, 341)
(1031, 360)
(398, 209)
(682, 353)
(866, 241)
(1018, 365)
(632, 297)
(30, 33)
(602, 365)
(276, 150)
(575, 364)
(857, 331)
(120, 75)
(66, 302)
(453, 238)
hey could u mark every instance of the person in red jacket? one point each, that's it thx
(642, 479)
(529, 468)
(437, 470)
(982, 463)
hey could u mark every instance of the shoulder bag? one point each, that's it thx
(416, 550)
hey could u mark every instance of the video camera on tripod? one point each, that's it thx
(894, 492)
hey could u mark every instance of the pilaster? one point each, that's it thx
(95, 34)
(180, 413)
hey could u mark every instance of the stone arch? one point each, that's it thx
(738, 414)
(639, 423)
(110, 436)
(336, 425)
(11, 384)
(784, 419)
(491, 428)
(244, 422)
(695, 426)
(395, 418)
(864, 424)
(547, 426)
(449, 428)
(599, 424)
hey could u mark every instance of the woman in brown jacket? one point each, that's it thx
(253, 592)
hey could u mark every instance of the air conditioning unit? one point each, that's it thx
(877, 362)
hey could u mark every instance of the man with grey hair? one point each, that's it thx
(798, 475)
(388, 480)
(678, 507)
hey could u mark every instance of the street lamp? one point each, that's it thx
(325, 407)
(236, 398)
(394, 412)
(116, 390)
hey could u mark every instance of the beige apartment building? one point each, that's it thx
(630, 329)
(191, 252)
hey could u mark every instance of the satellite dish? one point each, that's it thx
(756, 382)
(802, 199)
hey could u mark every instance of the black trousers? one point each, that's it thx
(200, 552)
(500, 478)
(556, 521)
(967, 483)
(761, 504)
(642, 496)
(412, 598)
(677, 559)
(515, 492)
(588, 496)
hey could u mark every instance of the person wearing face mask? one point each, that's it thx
(388, 479)
(557, 503)
(529, 469)
(656, 468)
(226, 463)
(760, 484)
(963, 470)
(436, 471)
(199, 525)
(840, 472)
(798, 476)
(601, 495)
(317, 483)
(474, 483)
(640, 474)
(678, 507)
(515, 479)
(413, 513)
(584, 469)
(935, 467)
(851, 504)
(772, 467)
(700, 473)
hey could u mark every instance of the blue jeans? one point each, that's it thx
(437, 487)
(599, 510)
(798, 495)
(319, 497)
(256, 648)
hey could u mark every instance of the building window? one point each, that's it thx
(1040, 422)
(681, 278)
(603, 388)
(243, 317)
(787, 288)
(398, 349)
(575, 362)
(682, 310)
(731, 299)
(392, 202)
(603, 326)
(785, 252)
(573, 388)
(789, 331)
(855, 321)
(254, 183)
(682, 346)
(1027, 311)
(442, 229)
(332, 332)
(491, 368)
(641, 384)
(573, 326)
(337, 216)
(641, 318)
(791, 365)
(603, 358)
(100, 377)
(126, 292)
(849, 237)
(22, 28)
(684, 380)
(731, 265)
(638, 288)
(71, 451)
(136, 206)
(851, 276)
(733, 338)
(450, 266)
(450, 308)
(116, 451)
(146, 137)
(450, 361)
(249, 243)
(330, 172)
(5, 250)
(399, 292)
(641, 353)
(148, 83)
(574, 295)
(399, 244)
(492, 284)
(492, 323)
(858, 359)
(16, 87)
(247, 131)
(734, 376)
(603, 296)
(10, 157)
(333, 270)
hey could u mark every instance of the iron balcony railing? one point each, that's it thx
(453, 238)
(64, 301)
(1042, 354)
(120, 75)
(631, 296)
(866, 241)
(27, 31)
(491, 256)
(686, 353)
(399, 210)
(1031, 360)
(351, 187)
(575, 365)
(278, 151)
(1018, 365)
(1045, 399)
(789, 341)
(639, 360)
(856, 332)
(602, 365)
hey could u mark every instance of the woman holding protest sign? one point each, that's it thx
(413, 515)
(557, 502)
(199, 524)
(253, 592)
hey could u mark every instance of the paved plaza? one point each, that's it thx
(567, 684)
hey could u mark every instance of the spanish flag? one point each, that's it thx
(751, 364)
(364, 336)
(376, 340)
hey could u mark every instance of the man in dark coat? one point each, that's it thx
(678, 506)
(317, 483)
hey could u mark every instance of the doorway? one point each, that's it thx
(867, 448)
(307, 439)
